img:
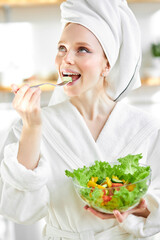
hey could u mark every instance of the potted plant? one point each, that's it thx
(155, 67)
(155, 48)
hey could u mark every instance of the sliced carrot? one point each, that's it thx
(131, 187)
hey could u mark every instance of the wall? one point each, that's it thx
(45, 22)
(148, 16)
(45, 32)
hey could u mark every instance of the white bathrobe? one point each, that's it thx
(27, 196)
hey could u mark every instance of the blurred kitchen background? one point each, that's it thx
(29, 32)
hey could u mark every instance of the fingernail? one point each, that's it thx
(86, 207)
(15, 91)
(115, 212)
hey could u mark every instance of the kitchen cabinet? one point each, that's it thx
(151, 81)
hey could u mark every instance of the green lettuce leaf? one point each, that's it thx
(130, 163)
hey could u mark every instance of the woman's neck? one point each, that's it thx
(93, 105)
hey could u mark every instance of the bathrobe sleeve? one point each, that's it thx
(23, 193)
(145, 227)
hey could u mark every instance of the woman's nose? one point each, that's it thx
(69, 57)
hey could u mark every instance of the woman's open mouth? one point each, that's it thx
(74, 76)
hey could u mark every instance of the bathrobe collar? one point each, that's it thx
(67, 131)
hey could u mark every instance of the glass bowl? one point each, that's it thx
(120, 197)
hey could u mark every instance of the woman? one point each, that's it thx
(86, 122)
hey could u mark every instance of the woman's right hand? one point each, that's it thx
(27, 103)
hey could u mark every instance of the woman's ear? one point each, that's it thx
(108, 65)
(106, 69)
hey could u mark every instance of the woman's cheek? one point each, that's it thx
(57, 62)
(90, 63)
(86, 65)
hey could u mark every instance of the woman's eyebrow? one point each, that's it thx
(83, 43)
(61, 42)
(77, 43)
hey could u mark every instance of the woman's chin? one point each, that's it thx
(73, 89)
(72, 92)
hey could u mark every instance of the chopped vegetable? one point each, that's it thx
(109, 183)
(101, 181)
(67, 79)
(94, 179)
(91, 184)
(131, 187)
(116, 180)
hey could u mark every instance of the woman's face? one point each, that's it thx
(80, 56)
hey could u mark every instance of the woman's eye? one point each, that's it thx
(83, 50)
(61, 48)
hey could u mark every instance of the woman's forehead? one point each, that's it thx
(79, 33)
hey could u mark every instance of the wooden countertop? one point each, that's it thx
(150, 81)
(43, 88)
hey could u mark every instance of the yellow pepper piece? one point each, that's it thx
(131, 187)
(103, 203)
(94, 179)
(91, 184)
(109, 183)
(101, 187)
(115, 177)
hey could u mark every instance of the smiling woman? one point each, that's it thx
(87, 122)
(80, 54)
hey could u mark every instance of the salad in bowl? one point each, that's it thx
(112, 186)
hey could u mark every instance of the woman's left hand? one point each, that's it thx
(140, 210)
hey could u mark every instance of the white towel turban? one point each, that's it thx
(116, 28)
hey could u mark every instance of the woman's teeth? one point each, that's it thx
(75, 76)
(70, 74)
